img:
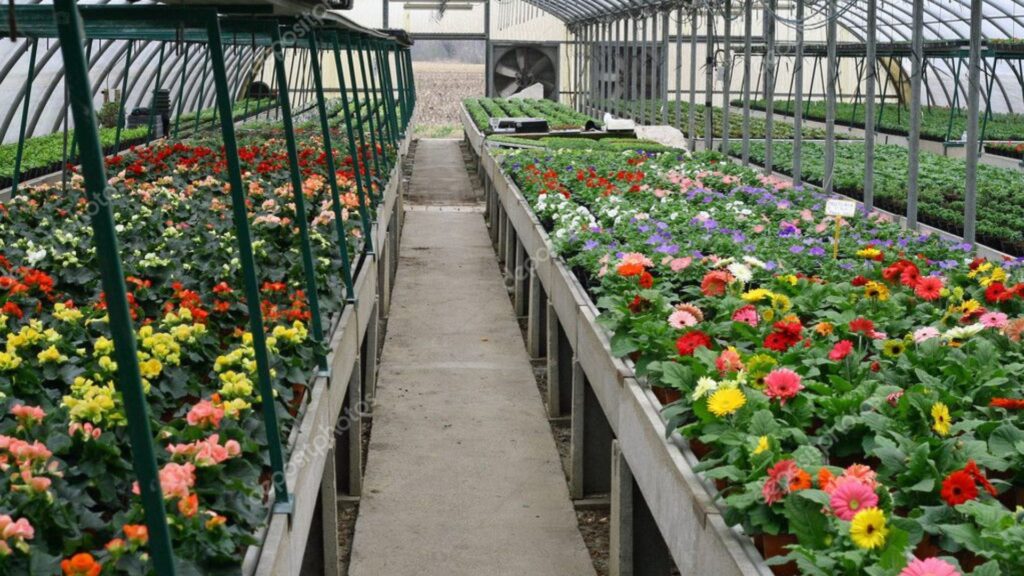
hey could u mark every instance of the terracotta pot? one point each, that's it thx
(774, 545)
(666, 395)
(700, 449)
(927, 549)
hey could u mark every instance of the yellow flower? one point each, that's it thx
(983, 268)
(756, 295)
(232, 408)
(876, 291)
(781, 302)
(65, 314)
(869, 253)
(107, 365)
(969, 306)
(790, 278)
(893, 348)
(235, 385)
(150, 368)
(103, 346)
(726, 401)
(762, 445)
(868, 529)
(51, 355)
(940, 414)
(824, 328)
(9, 361)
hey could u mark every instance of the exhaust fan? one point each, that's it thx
(518, 66)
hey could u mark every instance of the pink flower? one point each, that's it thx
(894, 398)
(851, 496)
(682, 319)
(27, 415)
(929, 567)
(863, 474)
(729, 361)
(208, 452)
(679, 264)
(88, 430)
(758, 228)
(925, 334)
(780, 479)
(19, 529)
(746, 315)
(175, 480)
(993, 319)
(782, 384)
(841, 350)
(204, 413)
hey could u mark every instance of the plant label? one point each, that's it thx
(843, 208)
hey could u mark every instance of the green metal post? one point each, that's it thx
(332, 172)
(377, 99)
(283, 503)
(181, 91)
(364, 215)
(74, 137)
(383, 56)
(24, 117)
(129, 380)
(252, 55)
(371, 102)
(358, 159)
(152, 106)
(124, 97)
(308, 265)
(385, 100)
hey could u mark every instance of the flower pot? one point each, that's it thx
(774, 545)
(927, 549)
(700, 449)
(666, 395)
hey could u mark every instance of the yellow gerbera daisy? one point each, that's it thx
(726, 401)
(762, 445)
(940, 414)
(781, 302)
(868, 529)
(756, 295)
(876, 291)
(893, 348)
(869, 253)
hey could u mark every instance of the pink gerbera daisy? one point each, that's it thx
(681, 319)
(929, 567)
(851, 496)
(993, 319)
(746, 315)
(782, 384)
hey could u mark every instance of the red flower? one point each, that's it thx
(646, 280)
(928, 288)
(958, 488)
(688, 343)
(785, 336)
(1008, 403)
(222, 288)
(997, 292)
(862, 325)
(714, 282)
(979, 477)
(12, 309)
(841, 350)
(638, 305)
(777, 342)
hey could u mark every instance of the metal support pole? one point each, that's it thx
(973, 109)
(748, 28)
(202, 89)
(24, 116)
(798, 96)
(617, 104)
(769, 84)
(129, 379)
(156, 88)
(282, 499)
(636, 70)
(181, 90)
(709, 83)
(914, 138)
(871, 61)
(357, 163)
(679, 70)
(358, 160)
(663, 67)
(643, 71)
(308, 266)
(692, 112)
(371, 102)
(727, 78)
(830, 99)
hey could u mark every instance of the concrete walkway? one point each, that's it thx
(463, 477)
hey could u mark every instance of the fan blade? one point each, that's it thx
(543, 64)
(505, 70)
(509, 90)
(521, 58)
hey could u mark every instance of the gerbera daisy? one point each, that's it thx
(762, 445)
(929, 567)
(714, 282)
(959, 487)
(633, 264)
(1007, 403)
(929, 288)
(993, 320)
(747, 315)
(726, 401)
(862, 325)
(893, 348)
(841, 350)
(876, 291)
(782, 384)
(779, 481)
(925, 334)
(941, 419)
(851, 496)
(689, 342)
(868, 529)
(682, 319)
(729, 361)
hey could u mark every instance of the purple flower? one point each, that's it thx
(590, 244)
(796, 249)
(817, 251)
(667, 249)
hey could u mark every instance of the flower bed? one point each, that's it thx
(941, 196)
(67, 501)
(559, 116)
(1009, 149)
(895, 120)
(862, 411)
(43, 154)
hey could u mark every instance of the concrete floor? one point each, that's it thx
(463, 477)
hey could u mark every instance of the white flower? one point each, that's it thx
(35, 256)
(705, 385)
(741, 271)
(751, 261)
(962, 332)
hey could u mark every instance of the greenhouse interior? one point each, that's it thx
(512, 287)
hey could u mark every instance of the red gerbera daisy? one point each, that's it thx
(929, 288)
(688, 343)
(862, 325)
(1007, 403)
(958, 488)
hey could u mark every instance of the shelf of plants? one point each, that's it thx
(853, 414)
(940, 198)
(196, 355)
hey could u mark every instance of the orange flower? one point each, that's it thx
(823, 328)
(215, 520)
(826, 480)
(137, 533)
(116, 546)
(188, 506)
(81, 564)
(800, 481)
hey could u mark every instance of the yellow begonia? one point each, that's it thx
(235, 385)
(232, 408)
(51, 355)
(103, 346)
(107, 365)
(90, 402)
(66, 314)
(9, 361)
(150, 368)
